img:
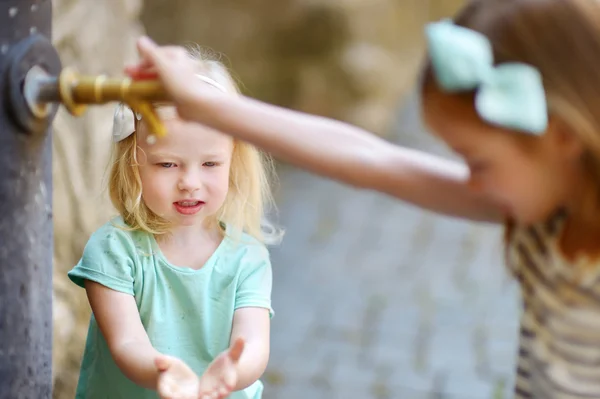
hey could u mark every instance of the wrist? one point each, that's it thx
(199, 103)
(247, 375)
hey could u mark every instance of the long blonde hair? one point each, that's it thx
(249, 196)
(561, 38)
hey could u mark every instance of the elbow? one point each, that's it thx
(121, 357)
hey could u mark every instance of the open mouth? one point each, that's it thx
(188, 203)
(188, 207)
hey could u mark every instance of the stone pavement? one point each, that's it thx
(377, 299)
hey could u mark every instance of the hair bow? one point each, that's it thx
(509, 95)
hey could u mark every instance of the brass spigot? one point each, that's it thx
(76, 91)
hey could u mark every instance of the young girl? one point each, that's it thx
(513, 86)
(180, 283)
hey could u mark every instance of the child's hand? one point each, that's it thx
(220, 377)
(176, 380)
(174, 67)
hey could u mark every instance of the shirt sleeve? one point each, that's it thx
(256, 280)
(108, 259)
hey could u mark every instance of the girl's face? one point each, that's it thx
(528, 177)
(185, 175)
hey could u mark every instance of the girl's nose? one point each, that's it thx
(189, 182)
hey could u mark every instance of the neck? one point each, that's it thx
(584, 207)
(190, 236)
(581, 234)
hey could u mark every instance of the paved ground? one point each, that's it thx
(377, 299)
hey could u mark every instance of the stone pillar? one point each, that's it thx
(25, 205)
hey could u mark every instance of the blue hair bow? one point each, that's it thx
(509, 95)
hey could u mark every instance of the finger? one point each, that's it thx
(229, 377)
(142, 75)
(150, 52)
(160, 57)
(139, 68)
(162, 363)
(223, 388)
(165, 392)
(236, 349)
(207, 395)
(146, 46)
(143, 63)
(223, 391)
(171, 388)
(153, 54)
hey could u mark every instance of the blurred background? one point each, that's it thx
(373, 298)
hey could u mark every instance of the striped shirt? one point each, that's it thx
(559, 348)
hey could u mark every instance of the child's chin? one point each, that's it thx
(189, 221)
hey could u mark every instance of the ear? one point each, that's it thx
(563, 141)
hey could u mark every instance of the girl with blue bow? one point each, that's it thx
(512, 86)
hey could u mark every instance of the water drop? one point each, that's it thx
(151, 139)
(13, 11)
(34, 7)
(4, 49)
(32, 30)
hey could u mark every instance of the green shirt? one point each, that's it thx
(187, 313)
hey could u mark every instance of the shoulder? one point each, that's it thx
(243, 252)
(118, 238)
(248, 247)
(109, 258)
(114, 232)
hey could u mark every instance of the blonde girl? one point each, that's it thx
(180, 282)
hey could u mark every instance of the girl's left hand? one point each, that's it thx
(220, 378)
(176, 380)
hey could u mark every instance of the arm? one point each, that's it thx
(346, 153)
(119, 321)
(324, 146)
(253, 325)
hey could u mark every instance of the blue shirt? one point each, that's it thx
(187, 313)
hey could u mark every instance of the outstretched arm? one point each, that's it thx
(349, 154)
(253, 325)
(324, 146)
(119, 321)
(246, 358)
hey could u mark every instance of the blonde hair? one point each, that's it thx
(249, 196)
(561, 38)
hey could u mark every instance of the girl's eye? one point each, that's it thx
(166, 165)
(211, 164)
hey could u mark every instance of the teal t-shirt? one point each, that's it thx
(187, 313)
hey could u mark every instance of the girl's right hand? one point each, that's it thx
(221, 376)
(176, 380)
(174, 67)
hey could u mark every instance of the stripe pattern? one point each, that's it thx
(559, 345)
